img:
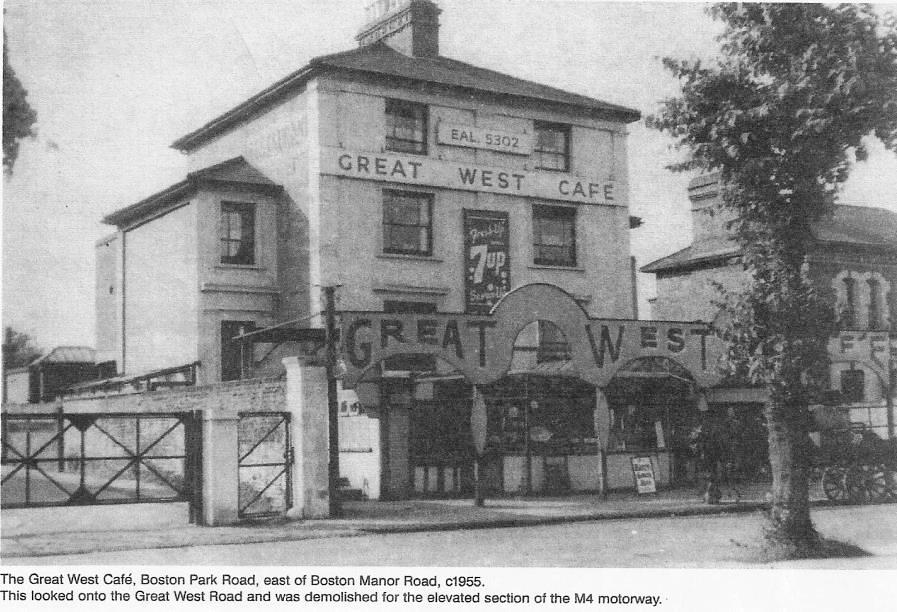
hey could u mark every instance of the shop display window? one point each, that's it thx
(636, 428)
(554, 425)
(406, 127)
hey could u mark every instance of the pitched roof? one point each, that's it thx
(859, 225)
(851, 225)
(232, 172)
(381, 60)
(67, 354)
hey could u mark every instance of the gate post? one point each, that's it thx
(306, 399)
(220, 471)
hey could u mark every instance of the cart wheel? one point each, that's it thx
(865, 483)
(877, 482)
(891, 481)
(833, 483)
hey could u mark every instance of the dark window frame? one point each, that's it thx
(234, 361)
(561, 159)
(425, 199)
(244, 255)
(853, 386)
(545, 212)
(398, 111)
(875, 304)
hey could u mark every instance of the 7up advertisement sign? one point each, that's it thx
(487, 265)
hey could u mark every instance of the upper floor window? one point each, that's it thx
(406, 127)
(554, 235)
(875, 309)
(407, 222)
(552, 150)
(849, 313)
(237, 233)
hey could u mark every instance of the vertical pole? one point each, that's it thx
(528, 463)
(60, 440)
(890, 389)
(332, 404)
(478, 499)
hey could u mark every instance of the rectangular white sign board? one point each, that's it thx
(457, 135)
(419, 170)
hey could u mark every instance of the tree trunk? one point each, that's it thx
(790, 531)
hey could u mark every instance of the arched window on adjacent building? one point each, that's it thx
(849, 312)
(875, 300)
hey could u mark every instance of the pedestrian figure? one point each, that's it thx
(705, 443)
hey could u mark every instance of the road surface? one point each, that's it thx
(719, 541)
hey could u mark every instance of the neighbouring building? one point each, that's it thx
(853, 260)
(422, 188)
(49, 375)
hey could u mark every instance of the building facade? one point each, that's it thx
(415, 185)
(853, 261)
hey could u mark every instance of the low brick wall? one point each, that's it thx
(256, 395)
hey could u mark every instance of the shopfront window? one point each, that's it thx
(406, 127)
(552, 150)
(407, 222)
(554, 235)
(542, 417)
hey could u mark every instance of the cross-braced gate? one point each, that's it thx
(100, 458)
(265, 477)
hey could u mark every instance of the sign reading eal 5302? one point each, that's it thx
(482, 138)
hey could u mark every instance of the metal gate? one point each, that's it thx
(100, 458)
(266, 457)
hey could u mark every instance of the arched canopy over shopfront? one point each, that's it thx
(481, 346)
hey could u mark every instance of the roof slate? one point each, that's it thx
(235, 171)
(67, 354)
(851, 225)
(381, 60)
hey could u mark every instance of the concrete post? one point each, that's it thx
(306, 398)
(601, 421)
(220, 471)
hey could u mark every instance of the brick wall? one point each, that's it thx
(256, 395)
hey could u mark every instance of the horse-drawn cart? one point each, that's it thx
(855, 465)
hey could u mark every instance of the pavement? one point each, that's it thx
(76, 530)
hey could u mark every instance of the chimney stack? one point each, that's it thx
(411, 27)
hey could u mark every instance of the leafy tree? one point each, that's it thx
(18, 116)
(18, 349)
(780, 115)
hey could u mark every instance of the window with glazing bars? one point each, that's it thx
(554, 236)
(406, 127)
(552, 150)
(237, 233)
(407, 222)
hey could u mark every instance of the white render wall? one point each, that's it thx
(331, 230)
(352, 116)
(160, 288)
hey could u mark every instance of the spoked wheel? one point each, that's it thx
(866, 483)
(834, 483)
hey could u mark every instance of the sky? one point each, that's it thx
(115, 82)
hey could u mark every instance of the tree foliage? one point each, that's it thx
(18, 349)
(781, 115)
(18, 116)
